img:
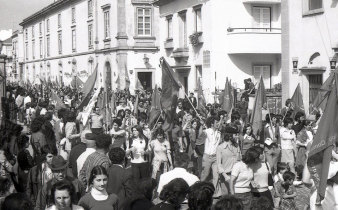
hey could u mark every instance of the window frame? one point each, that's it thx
(183, 30)
(143, 21)
(60, 42)
(59, 20)
(90, 36)
(253, 17)
(73, 14)
(90, 8)
(40, 28)
(47, 26)
(106, 22)
(73, 39)
(198, 27)
(33, 49)
(41, 47)
(48, 45)
(26, 50)
(26, 33)
(270, 73)
(33, 34)
(169, 21)
(308, 12)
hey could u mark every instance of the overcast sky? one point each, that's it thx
(12, 12)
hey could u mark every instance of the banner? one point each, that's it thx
(90, 106)
(256, 117)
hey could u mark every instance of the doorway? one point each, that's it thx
(315, 82)
(145, 79)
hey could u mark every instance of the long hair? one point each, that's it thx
(173, 191)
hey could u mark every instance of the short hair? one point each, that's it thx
(17, 201)
(282, 166)
(172, 191)
(97, 170)
(22, 141)
(210, 121)
(117, 155)
(229, 202)
(181, 160)
(71, 116)
(145, 187)
(298, 115)
(47, 149)
(48, 116)
(250, 156)
(246, 128)
(200, 196)
(288, 101)
(63, 185)
(287, 121)
(288, 175)
(5, 185)
(117, 121)
(62, 112)
(103, 141)
(159, 131)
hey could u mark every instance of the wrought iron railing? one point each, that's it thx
(262, 30)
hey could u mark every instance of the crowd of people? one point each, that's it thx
(206, 162)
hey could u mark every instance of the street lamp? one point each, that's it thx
(333, 62)
(294, 64)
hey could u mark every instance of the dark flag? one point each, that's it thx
(88, 88)
(260, 99)
(297, 100)
(201, 105)
(155, 109)
(170, 88)
(57, 101)
(323, 93)
(226, 99)
(321, 148)
(136, 106)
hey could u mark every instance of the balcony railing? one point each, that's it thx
(262, 1)
(254, 30)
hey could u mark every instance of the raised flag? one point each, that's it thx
(139, 86)
(256, 116)
(201, 104)
(77, 83)
(88, 88)
(90, 106)
(155, 109)
(170, 89)
(126, 77)
(297, 100)
(226, 99)
(323, 142)
(323, 93)
(56, 100)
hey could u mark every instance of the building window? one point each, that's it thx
(33, 49)
(198, 19)
(60, 42)
(183, 30)
(59, 20)
(47, 25)
(41, 48)
(170, 27)
(33, 32)
(90, 8)
(106, 24)
(73, 40)
(73, 15)
(90, 36)
(144, 21)
(48, 46)
(198, 74)
(262, 17)
(26, 50)
(40, 28)
(26, 33)
(265, 72)
(315, 4)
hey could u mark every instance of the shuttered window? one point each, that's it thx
(262, 17)
(265, 71)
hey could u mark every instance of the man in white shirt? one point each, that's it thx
(213, 139)
(91, 148)
(181, 162)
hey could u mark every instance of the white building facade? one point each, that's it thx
(72, 37)
(18, 56)
(215, 39)
(309, 46)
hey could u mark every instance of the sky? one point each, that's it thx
(12, 12)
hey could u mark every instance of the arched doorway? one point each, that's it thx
(108, 76)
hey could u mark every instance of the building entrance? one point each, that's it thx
(145, 79)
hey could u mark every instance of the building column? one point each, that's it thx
(286, 61)
(121, 54)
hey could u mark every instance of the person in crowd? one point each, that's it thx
(243, 108)
(172, 195)
(76, 151)
(59, 170)
(181, 164)
(142, 196)
(242, 177)
(38, 139)
(288, 109)
(288, 139)
(6, 188)
(262, 203)
(97, 197)
(40, 174)
(90, 149)
(262, 175)
(178, 145)
(229, 202)
(227, 154)
(272, 141)
(96, 121)
(179, 106)
(129, 120)
(59, 126)
(17, 201)
(30, 113)
(118, 134)
(136, 150)
(287, 191)
(99, 157)
(70, 129)
(121, 114)
(197, 140)
(62, 196)
(213, 138)
(160, 148)
(247, 139)
(200, 196)
(120, 180)
(299, 122)
(24, 160)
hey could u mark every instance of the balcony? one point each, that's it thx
(180, 53)
(254, 40)
(261, 1)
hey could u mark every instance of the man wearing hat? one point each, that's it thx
(59, 169)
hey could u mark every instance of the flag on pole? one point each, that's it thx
(77, 83)
(226, 99)
(139, 86)
(88, 89)
(136, 106)
(155, 109)
(57, 101)
(201, 105)
(90, 106)
(127, 77)
(323, 93)
(321, 148)
(170, 89)
(256, 116)
(297, 99)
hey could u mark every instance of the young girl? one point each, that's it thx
(287, 192)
